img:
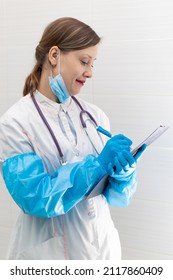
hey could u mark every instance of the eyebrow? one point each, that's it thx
(89, 56)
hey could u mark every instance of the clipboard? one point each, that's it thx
(151, 138)
(99, 188)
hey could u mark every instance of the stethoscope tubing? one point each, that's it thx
(49, 128)
(82, 112)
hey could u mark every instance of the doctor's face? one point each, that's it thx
(76, 68)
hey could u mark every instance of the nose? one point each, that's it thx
(88, 73)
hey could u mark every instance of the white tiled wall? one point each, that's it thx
(133, 83)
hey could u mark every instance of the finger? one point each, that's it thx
(122, 160)
(118, 166)
(120, 148)
(119, 144)
(126, 160)
(130, 159)
(122, 138)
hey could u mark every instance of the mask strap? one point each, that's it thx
(59, 62)
(59, 65)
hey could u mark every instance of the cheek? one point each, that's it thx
(70, 81)
(71, 77)
(70, 73)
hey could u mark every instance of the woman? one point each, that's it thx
(50, 164)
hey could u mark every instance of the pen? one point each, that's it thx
(107, 133)
(104, 131)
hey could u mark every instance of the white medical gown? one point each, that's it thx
(82, 232)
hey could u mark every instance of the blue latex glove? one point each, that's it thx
(125, 163)
(113, 147)
(122, 184)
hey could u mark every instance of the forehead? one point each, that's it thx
(90, 52)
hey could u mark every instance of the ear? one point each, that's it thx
(53, 55)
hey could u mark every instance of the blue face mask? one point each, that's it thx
(58, 86)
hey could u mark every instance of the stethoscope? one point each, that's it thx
(81, 115)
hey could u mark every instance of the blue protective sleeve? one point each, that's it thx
(120, 189)
(42, 195)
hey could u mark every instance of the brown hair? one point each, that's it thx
(68, 34)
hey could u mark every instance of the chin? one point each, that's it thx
(75, 93)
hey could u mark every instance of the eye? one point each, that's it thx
(84, 62)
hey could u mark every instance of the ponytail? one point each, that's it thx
(32, 81)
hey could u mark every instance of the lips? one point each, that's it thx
(82, 82)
